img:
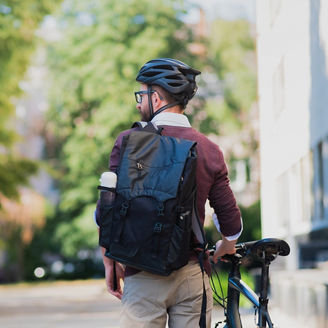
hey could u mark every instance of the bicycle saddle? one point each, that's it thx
(270, 246)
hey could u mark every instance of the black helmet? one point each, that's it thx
(176, 77)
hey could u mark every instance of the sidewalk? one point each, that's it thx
(279, 319)
(82, 304)
(77, 304)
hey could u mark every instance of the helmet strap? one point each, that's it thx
(151, 110)
(150, 104)
(163, 108)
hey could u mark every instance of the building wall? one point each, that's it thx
(292, 54)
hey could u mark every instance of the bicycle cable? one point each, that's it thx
(221, 300)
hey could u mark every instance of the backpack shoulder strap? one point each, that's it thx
(139, 125)
(200, 251)
(148, 127)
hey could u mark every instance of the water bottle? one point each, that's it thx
(107, 188)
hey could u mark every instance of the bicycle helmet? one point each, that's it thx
(174, 76)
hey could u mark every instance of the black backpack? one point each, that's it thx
(150, 224)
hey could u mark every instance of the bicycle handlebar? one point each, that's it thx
(264, 247)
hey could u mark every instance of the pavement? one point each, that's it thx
(80, 304)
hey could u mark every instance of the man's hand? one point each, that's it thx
(224, 247)
(109, 275)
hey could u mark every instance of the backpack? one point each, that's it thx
(151, 222)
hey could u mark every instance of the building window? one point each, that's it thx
(319, 180)
(325, 177)
(306, 187)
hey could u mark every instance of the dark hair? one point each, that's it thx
(163, 93)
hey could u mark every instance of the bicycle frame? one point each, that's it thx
(237, 286)
(265, 250)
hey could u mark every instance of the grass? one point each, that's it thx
(223, 275)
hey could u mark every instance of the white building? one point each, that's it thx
(292, 54)
(292, 42)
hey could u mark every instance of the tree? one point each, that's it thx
(20, 211)
(231, 52)
(231, 58)
(18, 22)
(18, 221)
(94, 66)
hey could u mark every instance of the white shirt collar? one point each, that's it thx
(173, 119)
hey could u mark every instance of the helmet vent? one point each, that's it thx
(175, 77)
(150, 74)
(164, 67)
(174, 84)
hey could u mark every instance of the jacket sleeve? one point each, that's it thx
(223, 201)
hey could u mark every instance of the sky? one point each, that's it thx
(225, 9)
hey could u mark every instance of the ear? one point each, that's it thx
(157, 102)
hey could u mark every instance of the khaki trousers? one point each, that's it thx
(150, 300)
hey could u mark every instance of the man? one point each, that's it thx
(166, 86)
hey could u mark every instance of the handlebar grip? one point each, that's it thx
(227, 257)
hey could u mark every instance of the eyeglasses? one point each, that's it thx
(139, 94)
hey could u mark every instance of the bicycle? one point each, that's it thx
(264, 250)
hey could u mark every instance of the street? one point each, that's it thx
(59, 304)
(80, 304)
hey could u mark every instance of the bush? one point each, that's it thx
(252, 222)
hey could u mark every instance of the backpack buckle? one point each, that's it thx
(158, 227)
(124, 208)
(160, 209)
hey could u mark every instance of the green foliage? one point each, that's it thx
(252, 222)
(93, 67)
(230, 50)
(251, 216)
(18, 22)
(222, 282)
(231, 57)
(77, 234)
(14, 171)
(211, 234)
(43, 244)
(223, 120)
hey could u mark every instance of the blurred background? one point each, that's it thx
(67, 79)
